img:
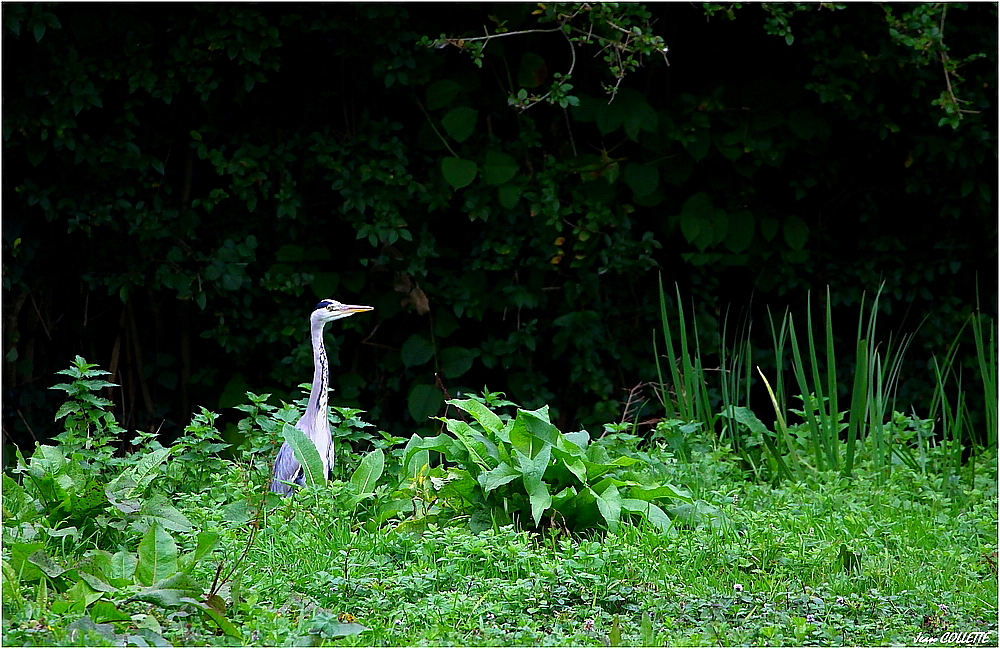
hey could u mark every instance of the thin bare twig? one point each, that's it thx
(40, 318)
(947, 75)
(569, 129)
(26, 425)
(572, 65)
(431, 122)
(489, 37)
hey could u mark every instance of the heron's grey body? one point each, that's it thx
(314, 422)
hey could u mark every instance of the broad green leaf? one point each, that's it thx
(610, 116)
(91, 497)
(746, 417)
(460, 122)
(157, 556)
(532, 470)
(123, 493)
(532, 72)
(698, 514)
(442, 443)
(104, 611)
(610, 504)
(640, 116)
(19, 563)
(740, 232)
(334, 630)
(456, 361)
(47, 565)
(695, 215)
(458, 171)
(504, 473)
(615, 634)
(597, 469)
(643, 179)
(67, 408)
(571, 454)
(96, 582)
(417, 350)
(236, 512)
(441, 93)
(494, 452)
(289, 252)
(611, 481)
(216, 616)
(706, 235)
(80, 627)
(368, 472)
(163, 512)
(652, 513)
(306, 454)
(509, 194)
(207, 541)
(560, 500)
(532, 430)
(573, 463)
(324, 284)
(122, 565)
(475, 449)
(699, 147)
(768, 227)
(16, 501)
(486, 417)
(580, 438)
(169, 592)
(659, 491)
(424, 401)
(720, 225)
(81, 595)
(498, 168)
(416, 456)
(46, 460)
(796, 232)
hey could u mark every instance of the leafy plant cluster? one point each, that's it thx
(181, 544)
(100, 535)
(521, 470)
(622, 32)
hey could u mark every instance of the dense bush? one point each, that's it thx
(184, 181)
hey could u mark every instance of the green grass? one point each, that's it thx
(923, 560)
(917, 553)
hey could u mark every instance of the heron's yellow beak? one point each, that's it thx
(354, 308)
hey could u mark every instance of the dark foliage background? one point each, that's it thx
(182, 182)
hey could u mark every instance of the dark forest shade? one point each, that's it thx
(180, 179)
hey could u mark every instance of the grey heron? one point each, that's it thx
(314, 422)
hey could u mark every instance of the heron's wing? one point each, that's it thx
(286, 468)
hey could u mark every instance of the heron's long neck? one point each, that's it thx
(321, 374)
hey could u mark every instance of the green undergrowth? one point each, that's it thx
(183, 546)
(815, 563)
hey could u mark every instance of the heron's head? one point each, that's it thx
(328, 310)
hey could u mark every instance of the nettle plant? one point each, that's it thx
(78, 500)
(499, 470)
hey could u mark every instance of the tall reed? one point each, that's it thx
(823, 441)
